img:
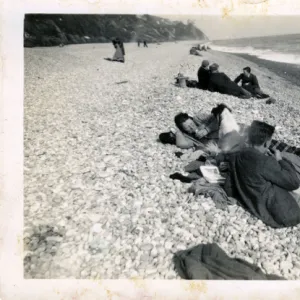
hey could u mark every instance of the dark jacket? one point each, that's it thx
(246, 81)
(262, 186)
(203, 78)
(220, 82)
(210, 262)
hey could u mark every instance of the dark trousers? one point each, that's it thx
(256, 92)
(245, 94)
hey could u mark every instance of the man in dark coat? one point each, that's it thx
(264, 182)
(220, 82)
(203, 75)
(250, 83)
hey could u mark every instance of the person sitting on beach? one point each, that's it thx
(203, 75)
(221, 83)
(262, 181)
(250, 83)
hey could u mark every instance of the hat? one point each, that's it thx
(258, 125)
(205, 63)
(214, 67)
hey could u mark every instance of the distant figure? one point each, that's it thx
(120, 51)
(220, 82)
(139, 42)
(194, 51)
(203, 75)
(250, 83)
(202, 48)
(145, 44)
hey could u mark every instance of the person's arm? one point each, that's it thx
(255, 81)
(182, 142)
(238, 79)
(209, 126)
(281, 173)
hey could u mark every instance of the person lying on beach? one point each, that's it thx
(194, 51)
(221, 83)
(250, 83)
(203, 75)
(202, 129)
(263, 182)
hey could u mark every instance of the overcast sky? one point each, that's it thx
(216, 27)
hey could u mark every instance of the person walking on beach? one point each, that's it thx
(203, 75)
(250, 83)
(145, 44)
(139, 42)
(221, 83)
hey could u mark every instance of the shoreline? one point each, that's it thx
(290, 72)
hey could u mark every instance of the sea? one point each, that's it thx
(283, 48)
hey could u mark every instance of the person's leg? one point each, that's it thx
(245, 94)
(260, 94)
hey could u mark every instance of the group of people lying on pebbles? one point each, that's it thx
(211, 79)
(260, 174)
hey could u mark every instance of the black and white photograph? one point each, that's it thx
(121, 111)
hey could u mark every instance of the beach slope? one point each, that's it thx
(98, 200)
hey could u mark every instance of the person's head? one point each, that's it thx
(205, 64)
(214, 68)
(185, 123)
(167, 138)
(260, 135)
(247, 71)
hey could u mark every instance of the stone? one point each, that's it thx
(168, 245)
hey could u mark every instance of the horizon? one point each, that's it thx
(258, 36)
(241, 27)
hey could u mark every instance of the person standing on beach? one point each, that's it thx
(250, 83)
(203, 75)
(221, 83)
(120, 51)
(145, 44)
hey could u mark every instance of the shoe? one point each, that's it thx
(271, 101)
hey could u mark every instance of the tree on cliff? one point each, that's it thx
(53, 30)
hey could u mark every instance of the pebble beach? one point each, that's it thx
(98, 200)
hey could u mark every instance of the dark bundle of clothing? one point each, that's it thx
(215, 191)
(210, 262)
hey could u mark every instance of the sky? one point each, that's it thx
(217, 27)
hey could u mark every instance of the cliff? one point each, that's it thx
(52, 30)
